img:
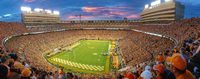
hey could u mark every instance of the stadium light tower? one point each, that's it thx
(25, 9)
(38, 9)
(146, 6)
(157, 2)
(152, 4)
(56, 12)
(48, 11)
(168, 0)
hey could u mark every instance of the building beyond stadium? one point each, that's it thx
(159, 10)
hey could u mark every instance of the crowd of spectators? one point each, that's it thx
(8, 29)
(97, 25)
(33, 46)
(181, 30)
(165, 66)
(138, 47)
(146, 57)
(52, 27)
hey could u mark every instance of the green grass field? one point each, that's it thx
(86, 56)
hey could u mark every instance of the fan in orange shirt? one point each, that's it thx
(160, 58)
(178, 67)
(159, 68)
(129, 75)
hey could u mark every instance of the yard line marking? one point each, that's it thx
(78, 65)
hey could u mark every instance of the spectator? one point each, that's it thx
(26, 73)
(4, 72)
(146, 74)
(162, 72)
(178, 67)
(129, 75)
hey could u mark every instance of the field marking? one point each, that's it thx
(84, 66)
(94, 54)
(78, 65)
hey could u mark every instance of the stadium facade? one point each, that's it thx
(100, 21)
(159, 10)
(39, 16)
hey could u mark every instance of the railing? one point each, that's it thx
(160, 35)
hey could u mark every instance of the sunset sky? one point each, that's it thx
(89, 9)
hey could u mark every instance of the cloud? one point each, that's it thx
(100, 9)
(82, 17)
(133, 16)
(120, 10)
(91, 9)
(7, 15)
(118, 13)
(111, 12)
(29, 1)
(103, 12)
(72, 17)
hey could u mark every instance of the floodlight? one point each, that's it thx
(152, 3)
(48, 11)
(146, 6)
(157, 2)
(26, 9)
(168, 0)
(56, 12)
(38, 9)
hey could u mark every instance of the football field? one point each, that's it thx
(85, 56)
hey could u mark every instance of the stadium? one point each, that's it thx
(162, 44)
